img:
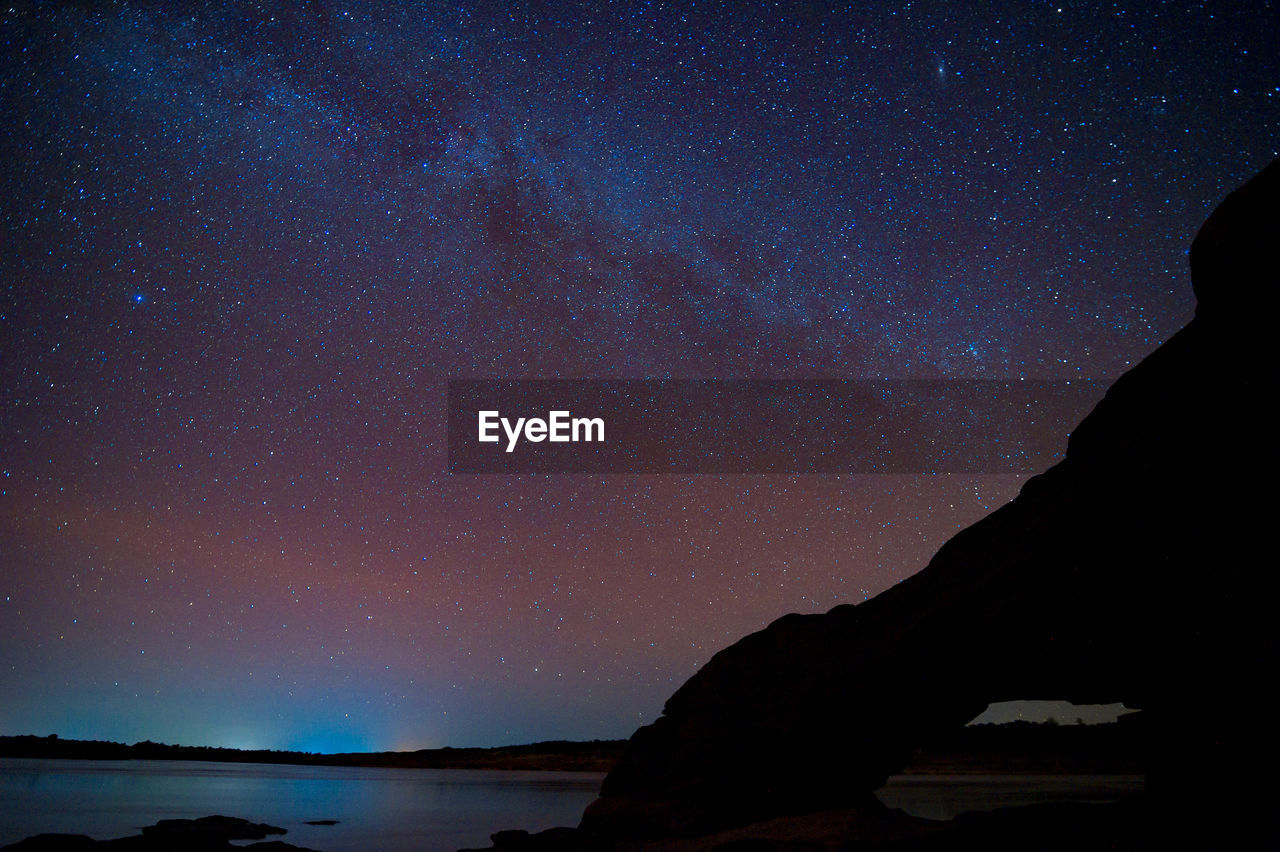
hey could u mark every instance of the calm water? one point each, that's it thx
(944, 796)
(392, 810)
(406, 810)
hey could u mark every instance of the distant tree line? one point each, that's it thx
(592, 756)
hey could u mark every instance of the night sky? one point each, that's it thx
(244, 247)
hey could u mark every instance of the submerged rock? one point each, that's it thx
(213, 827)
(207, 834)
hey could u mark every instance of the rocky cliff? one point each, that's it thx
(1140, 569)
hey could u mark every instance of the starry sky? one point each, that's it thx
(244, 247)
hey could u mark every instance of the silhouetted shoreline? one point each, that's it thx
(1009, 747)
(555, 755)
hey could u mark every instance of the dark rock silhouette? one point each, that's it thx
(213, 827)
(1141, 569)
(206, 834)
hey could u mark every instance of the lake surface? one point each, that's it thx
(386, 810)
(406, 810)
(945, 796)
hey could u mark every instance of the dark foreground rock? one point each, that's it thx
(1139, 569)
(1068, 827)
(207, 834)
(212, 827)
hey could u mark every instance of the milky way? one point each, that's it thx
(245, 248)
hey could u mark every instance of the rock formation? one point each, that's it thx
(1141, 569)
(206, 834)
